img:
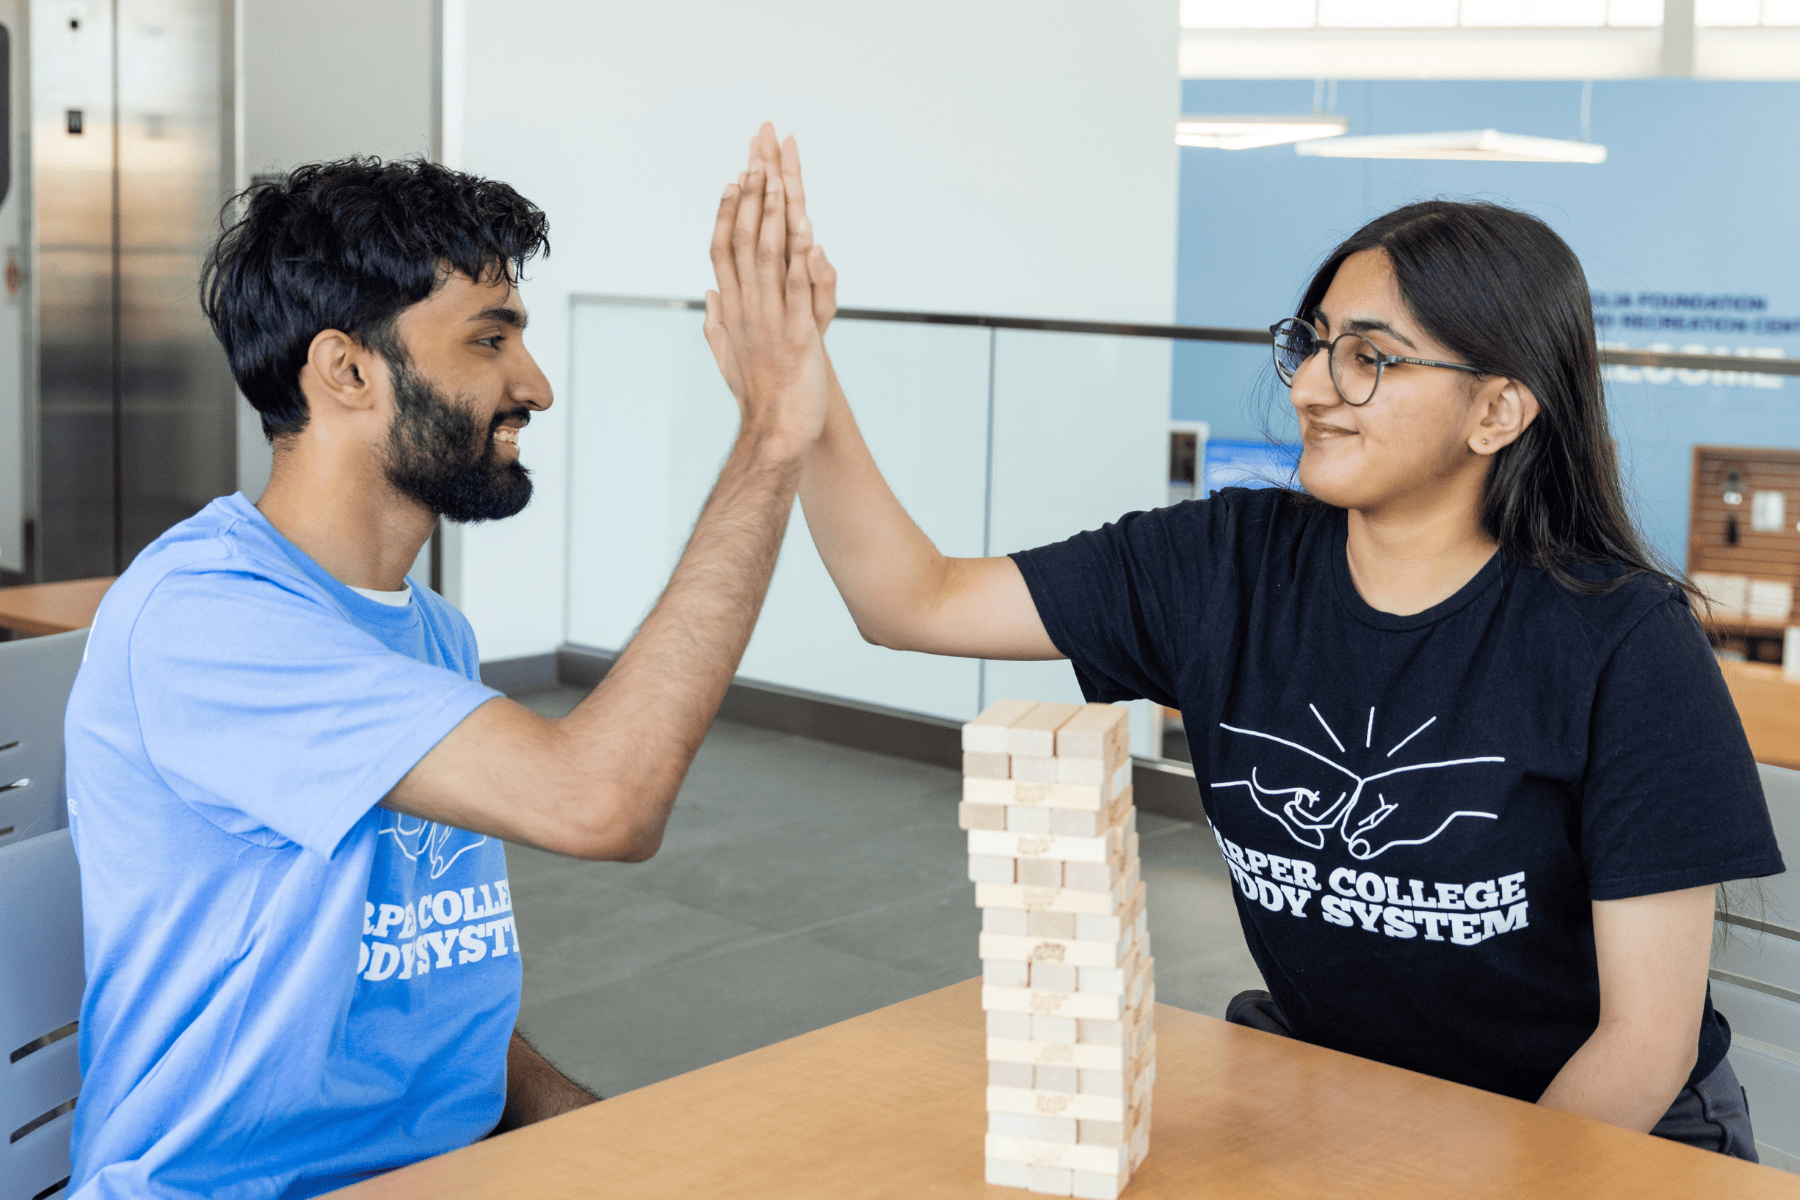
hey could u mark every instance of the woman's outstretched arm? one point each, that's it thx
(902, 592)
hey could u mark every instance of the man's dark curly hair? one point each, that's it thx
(348, 245)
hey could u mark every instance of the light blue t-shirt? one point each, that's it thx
(289, 988)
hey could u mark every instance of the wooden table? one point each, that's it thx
(42, 608)
(891, 1104)
(1769, 706)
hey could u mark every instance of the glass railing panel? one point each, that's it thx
(651, 424)
(1081, 436)
(920, 395)
(650, 421)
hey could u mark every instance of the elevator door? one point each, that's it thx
(16, 473)
(132, 164)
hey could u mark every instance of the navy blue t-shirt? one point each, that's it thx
(1418, 810)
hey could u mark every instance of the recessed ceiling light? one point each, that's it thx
(1479, 145)
(1246, 132)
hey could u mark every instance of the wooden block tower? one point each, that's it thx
(1065, 948)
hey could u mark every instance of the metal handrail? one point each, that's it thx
(1211, 333)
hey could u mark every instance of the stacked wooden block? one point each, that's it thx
(1066, 967)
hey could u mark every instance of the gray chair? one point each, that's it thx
(35, 677)
(40, 1000)
(1756, 984)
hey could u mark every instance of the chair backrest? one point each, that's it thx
(35, 677)
(1756, 984)
(40, 1000)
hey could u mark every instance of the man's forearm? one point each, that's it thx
(535, 1090)
(1620, 1076)
(648, 716)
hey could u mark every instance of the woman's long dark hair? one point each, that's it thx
(1501, 290)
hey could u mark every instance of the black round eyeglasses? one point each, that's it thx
(1356, 364)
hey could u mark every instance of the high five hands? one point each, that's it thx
(777, 294)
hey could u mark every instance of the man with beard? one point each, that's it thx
(288, 787)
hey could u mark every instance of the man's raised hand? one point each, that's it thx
(761, 323)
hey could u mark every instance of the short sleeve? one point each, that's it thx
(1671, 798)
(263, 709)
(1112, 599)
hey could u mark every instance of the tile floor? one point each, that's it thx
(800, 884)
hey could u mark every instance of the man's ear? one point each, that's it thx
(339, 372)
(1506, 412)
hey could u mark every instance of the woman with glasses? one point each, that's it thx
(1457, 732)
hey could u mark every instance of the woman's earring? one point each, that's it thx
(1484, 441)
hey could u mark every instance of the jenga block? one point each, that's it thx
(1100, 1159)
(1091, 1083)
(1101, 877)
(987, 766)
(1029, 769)
(1044, 1079)
(1054, 977)
(1053, 950)
(1034, 733)
(1053, 1004)
(1000, 895)
(1011, 1026)
(1002, 1173)
(1050, 1181)
(1045, 845)
(986, 734)
(980, 816)
(1045, 924)
(1110, 980)
(1000, 972)
(1114, 1032)
(1016, 1125)
(1040, 872)
(1048, 795)
(1027, 820)
(1043, 1028)
(992, 868)
(1005, 922)
(1110, 926)
(1139, 985)
(1093, 1133)
(1079, 1055)
(1081, 822)
(1098, 731)
(1061, 1131)
(1092, 1185)
(1055, 1104)
(1012, 1075)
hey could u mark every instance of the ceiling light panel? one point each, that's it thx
(1235, 14)
(1389, 14)
(1474, 145)
(1638, 13)
(1537, 13)
(1727, 13)
(1237, 131)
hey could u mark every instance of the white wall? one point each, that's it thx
(966, 155)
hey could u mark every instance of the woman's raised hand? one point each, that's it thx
(800, 234)
(762, 323)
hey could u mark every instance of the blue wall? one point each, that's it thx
(1699, 197)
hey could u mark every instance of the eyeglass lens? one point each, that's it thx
(1355, 363)
(1355, 368)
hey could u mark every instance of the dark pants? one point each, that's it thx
(1713, 1114)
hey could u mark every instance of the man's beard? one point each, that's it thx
(437, 456)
